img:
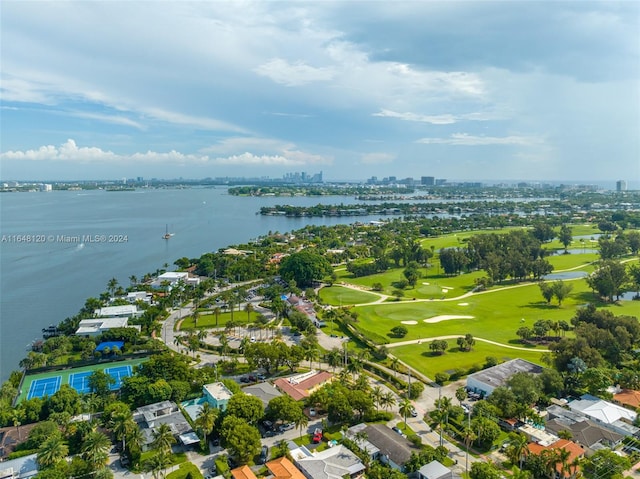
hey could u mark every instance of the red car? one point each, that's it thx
(317, 436)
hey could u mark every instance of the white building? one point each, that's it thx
(608, 414)
(125, 311)
(136, 296)
(485, 381)
(172, 278)
(97, 326)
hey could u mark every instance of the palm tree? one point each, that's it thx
(95, 449)
(376, 395)
(206, 419)
(52, 451)
(301, 422)
(216, 312)
(163, 439)
(395, 362)
(310, 354)
(122, 426)
(156, 464)
(387, 400)
(248, 308)
(517, 448)
(461, 394)
(112, 285)
(133, 279)
(405, 408)
(355, 365)
(334, 358)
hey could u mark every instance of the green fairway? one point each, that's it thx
(419, 357)
(339, 296)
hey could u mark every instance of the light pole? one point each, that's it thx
(467, 440)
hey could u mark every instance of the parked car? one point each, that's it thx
(286, 427)
(252, 378)
(245, 379)
(398, 430)
(261, 377)
(264, 454)
(317, 437)
(413, 412)
(312, 411)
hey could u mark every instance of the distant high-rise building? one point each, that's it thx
(392, 179)
(427, 181)
(621, 185)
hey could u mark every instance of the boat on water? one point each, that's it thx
(167, 235)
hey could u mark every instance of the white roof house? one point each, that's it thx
(96, 326)
(333, 463)
(20, 468)
(124, 311)
(485, 381)
(604, 412)
(174, 277)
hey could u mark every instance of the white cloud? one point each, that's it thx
(377, 158)
(465, 139)
(444, 119)
(71, 152)
(242, 144)
(204, 123)
(296, 74)
(114, 119)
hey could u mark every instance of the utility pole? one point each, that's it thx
(467, 440)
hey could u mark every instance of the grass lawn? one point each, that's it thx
(209, 320)
(420, 357)
(496, 314)
(184, 470)
(339, 296)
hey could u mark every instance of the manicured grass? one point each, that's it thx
(339, 296)
(420, 357)
(184, 470)
(209, 320)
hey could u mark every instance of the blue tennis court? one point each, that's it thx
(119, 373)
(44, 387)
(80, 381)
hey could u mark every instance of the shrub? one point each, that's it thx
(442, 378)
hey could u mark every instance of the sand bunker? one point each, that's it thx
(463, 304)
(446, 288)
(426, 284)
(409, 322)
(445, 317)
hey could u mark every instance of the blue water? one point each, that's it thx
(566, 275)
(43, 283)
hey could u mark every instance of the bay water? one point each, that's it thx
(59, 248)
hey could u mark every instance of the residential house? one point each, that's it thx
(97, 326)
(124, 311)
(393, 449)
(243, 472)
(628, 398)
(589, 434)
(150, 417)
(302, 385)
(217, 394)
(485, 381)
(20, 468)
(336, 462)
(264, 391)
(436, 470)
(612, 416)
(172, 278)
(569, 467)
(283, 468)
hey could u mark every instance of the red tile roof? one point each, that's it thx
(243, 472)
(628, 397)
(302, 389)
(283, 468)
(575, 451)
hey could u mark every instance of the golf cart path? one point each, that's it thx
(454, 336)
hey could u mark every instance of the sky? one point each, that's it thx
(462, 90)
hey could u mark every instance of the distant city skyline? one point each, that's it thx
(517, 91)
